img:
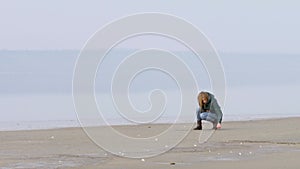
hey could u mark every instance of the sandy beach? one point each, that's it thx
(273, 143)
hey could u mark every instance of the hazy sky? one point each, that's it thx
(255, 26)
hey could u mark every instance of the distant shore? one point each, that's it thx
(61, 124)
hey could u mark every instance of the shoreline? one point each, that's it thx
(61, 124)
(255, 143)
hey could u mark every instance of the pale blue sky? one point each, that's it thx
(233, 26)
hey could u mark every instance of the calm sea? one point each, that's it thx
(36, 87)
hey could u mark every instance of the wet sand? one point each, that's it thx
(273, 143)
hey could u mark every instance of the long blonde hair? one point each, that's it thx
(202, 95)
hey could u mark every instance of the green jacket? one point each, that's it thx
(213, 107)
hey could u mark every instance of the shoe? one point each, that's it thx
(199, 125)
